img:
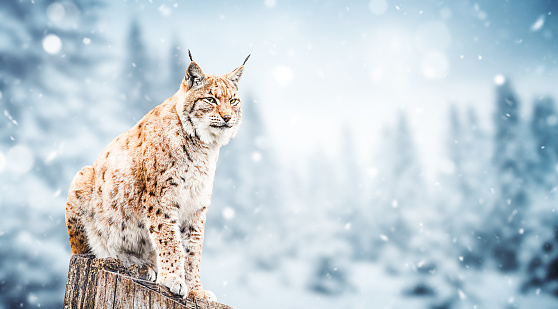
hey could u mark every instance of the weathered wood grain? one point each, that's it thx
(105, 283)
(106, 290)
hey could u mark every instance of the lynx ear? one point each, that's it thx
(194, 76)
(235, 75)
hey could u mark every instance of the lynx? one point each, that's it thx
(145, 198)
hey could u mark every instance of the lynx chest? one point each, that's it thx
(195, 187)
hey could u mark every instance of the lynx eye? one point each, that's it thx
(210, 100)
(234, 101)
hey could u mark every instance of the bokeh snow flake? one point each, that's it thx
(51, 156)
(378, 7)
(435, 65)
(283, 75)
(55, 12)
(499, 80)
(256, 156)
(229, 213)
(2, 162)
(538, 24)
(164, 10)
(52, 44)
(433, 36)
(19, 159)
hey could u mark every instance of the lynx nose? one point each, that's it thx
(226, 117)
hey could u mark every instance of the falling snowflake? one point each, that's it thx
(538, 24)
(52, 44)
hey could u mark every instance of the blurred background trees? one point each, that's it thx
(322, 228)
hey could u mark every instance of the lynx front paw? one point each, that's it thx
(151, 275)
(174, 283)
(207, 294)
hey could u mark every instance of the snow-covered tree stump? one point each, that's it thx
(105, 283)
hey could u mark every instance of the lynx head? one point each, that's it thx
(209, 105)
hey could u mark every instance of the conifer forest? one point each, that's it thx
(393, 154)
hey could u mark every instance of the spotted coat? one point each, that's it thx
(144, 200)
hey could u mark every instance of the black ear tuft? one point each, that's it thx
(194, 76)
(190, 55)
(244, 59)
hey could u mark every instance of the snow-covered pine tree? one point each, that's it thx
(540, 229)
(322, 239)
(465, 189)
(246, 201)
(177, 63)
(138, 77)
(503, 236)
(544, 128)
(351, 209)
(461, 199)
(408, 236)
(48, 72)
(400, 184)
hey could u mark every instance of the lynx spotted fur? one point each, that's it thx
(144, 200)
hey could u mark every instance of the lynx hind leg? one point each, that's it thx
(78, 196)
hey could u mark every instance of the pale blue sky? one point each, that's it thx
(317, 66)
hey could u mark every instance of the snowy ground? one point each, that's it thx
(372, 287)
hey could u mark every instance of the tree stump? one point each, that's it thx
(105, 283)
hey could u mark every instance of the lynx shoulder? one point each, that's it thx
(144, 200)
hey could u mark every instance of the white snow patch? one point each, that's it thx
(86, 41)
